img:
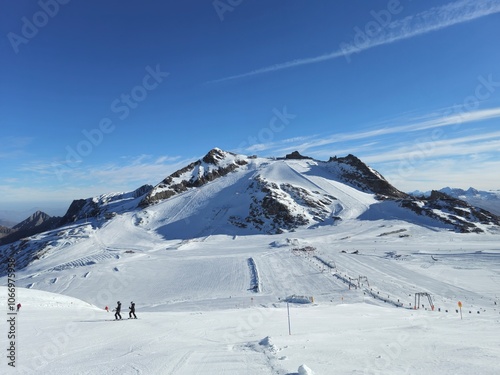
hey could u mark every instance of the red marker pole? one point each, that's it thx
(460, 307)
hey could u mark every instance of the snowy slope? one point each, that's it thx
(198, 312)
(262, 195)
(210, 285)
(58, 336)
(225, 193)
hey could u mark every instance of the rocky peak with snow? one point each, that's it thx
(487, 200)
(215, 164)
(281, 194)
(34, 220)
(35, 223)
(354, 172)
(104, 206)
(227, 193)
(453, 211)
(296, 155)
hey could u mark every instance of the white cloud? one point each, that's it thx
(419, 152)
(434, 121)
(428, 149)
(55, 182)
(434, 19)
(461, 172)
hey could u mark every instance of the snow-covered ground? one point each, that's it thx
(198, 313)
(213, 298)
(62, 336)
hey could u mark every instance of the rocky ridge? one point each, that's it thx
(269, 205)
(213, 165)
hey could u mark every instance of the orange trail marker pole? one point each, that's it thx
(460, 307)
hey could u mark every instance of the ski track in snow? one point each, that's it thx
(254, 276)
(85, 261)
(356, 201)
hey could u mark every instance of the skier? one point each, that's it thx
(118, 309)
(132, 310)
(18, 307)
(106, 308)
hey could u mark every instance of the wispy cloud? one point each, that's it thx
(57, 184)
(438, 173)
(434, 19)
(394, 127)
(126, 175)
(425, 150)
(429, 151)
(13, 147)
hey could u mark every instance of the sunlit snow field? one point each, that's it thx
(203, 309)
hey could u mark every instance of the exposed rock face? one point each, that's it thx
(357, 174)
(270, 198)
(34, 220)
(79, 209)
(144, 189)
(99, 206)
(36, 223)
(215, 156)
(455, 212)
(487, 200)
(296, 155)
(215, 164)
(268, 210)
(24, 251)
(4, 231)
(275, 208)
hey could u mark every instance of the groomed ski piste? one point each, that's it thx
(216, 300)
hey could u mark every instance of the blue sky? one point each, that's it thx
(98, 97)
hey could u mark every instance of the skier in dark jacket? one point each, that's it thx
(132, 311)
(118, 309)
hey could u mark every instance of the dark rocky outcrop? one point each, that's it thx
(216, 163)
(269, 213)
(357, 174)
(459, 214)
(34, 220)
(37, 223)
(4, 231)
(79, 209)
(296, 155)
(144, 189)
(268, 204)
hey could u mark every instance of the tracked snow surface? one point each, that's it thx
(216, 269)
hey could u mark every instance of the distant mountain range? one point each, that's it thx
(36, 223)
(488, 200)
(235, 194)
(79, 209)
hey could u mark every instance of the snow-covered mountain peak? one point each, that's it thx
(105, 205)
(354, 172)
(217, 156)
(229, 193)
(232, 194)
(35, 219)
(216, 163)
